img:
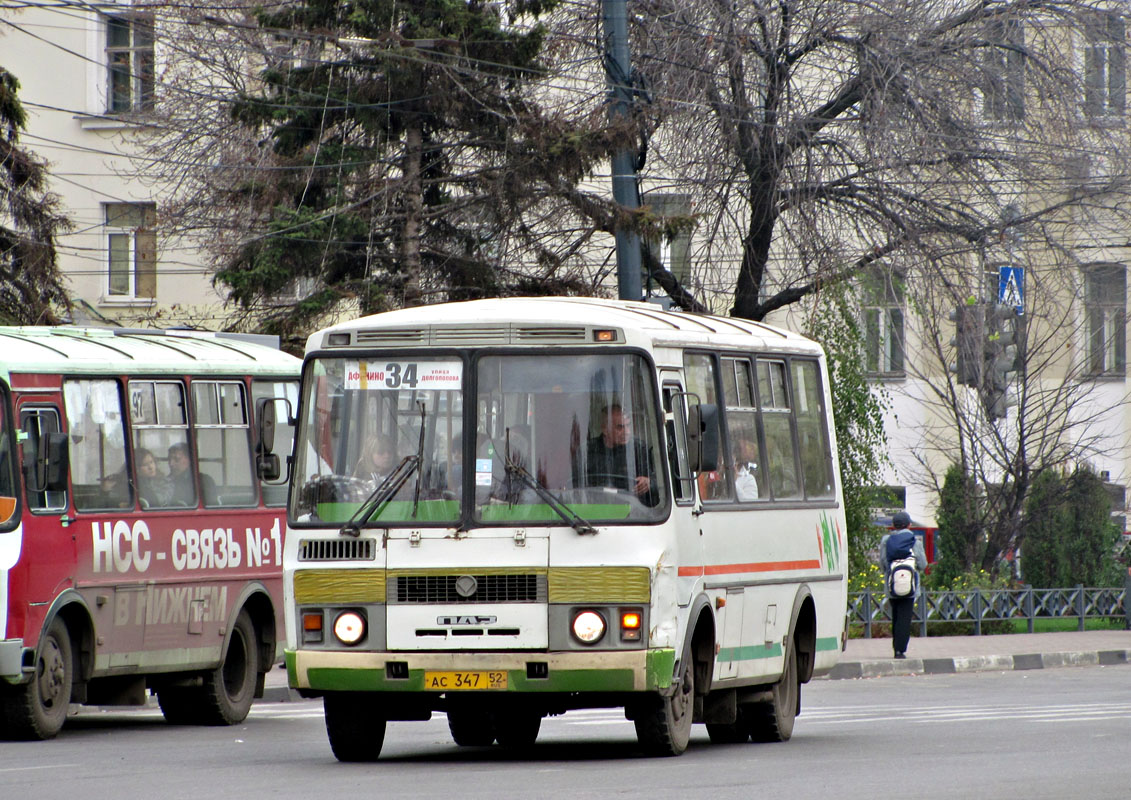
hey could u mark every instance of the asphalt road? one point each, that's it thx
(1061, 733)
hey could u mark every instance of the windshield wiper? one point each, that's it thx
(561, 509)
(381, 495)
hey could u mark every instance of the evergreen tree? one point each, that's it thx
(1070, 536)
(31, 286)
(1045, 528)
(1088, 550)
(958, 545)
(409, 153)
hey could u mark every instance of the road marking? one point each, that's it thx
(45, 766)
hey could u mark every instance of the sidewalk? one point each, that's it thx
(935, 655)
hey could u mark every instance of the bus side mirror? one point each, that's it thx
(703, 437)
(265, 413)
(267, 464)
(48, 472)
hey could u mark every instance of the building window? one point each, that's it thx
(1004, 99)
(131, 250)
(882, 305)
(1105, 75)
(129, 64)
(1106, 303)
(672, 249)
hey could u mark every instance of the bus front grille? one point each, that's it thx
(518, 588)
(335, 550)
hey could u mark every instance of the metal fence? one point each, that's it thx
(978, 606)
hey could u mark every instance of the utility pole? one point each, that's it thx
(618, 73)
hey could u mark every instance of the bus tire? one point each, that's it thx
(230, 688)
(663, 727)
(38, 709)
(354, 726)
(470, 726)
(225, 696)
(772, 720)
(735, 732)
(517, 729)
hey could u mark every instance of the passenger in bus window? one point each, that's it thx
(180, 475)
(154, 488)
(378, 460)
(607, 458)
(746, 470)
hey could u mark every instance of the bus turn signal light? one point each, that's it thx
(630, 622)
(312, 628)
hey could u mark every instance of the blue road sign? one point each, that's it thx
(1011, 288)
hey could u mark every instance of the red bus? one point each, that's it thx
(139, 550)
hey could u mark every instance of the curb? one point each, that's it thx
(889, 667)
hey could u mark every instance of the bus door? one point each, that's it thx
(684, 517)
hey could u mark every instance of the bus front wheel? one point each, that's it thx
(354, 726)
(38, 709)
(663, 727)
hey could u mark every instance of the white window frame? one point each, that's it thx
(111, 230)
(1004, 103)
(142, 70)
(1105, 95)
(1111, 316)
(885, 320)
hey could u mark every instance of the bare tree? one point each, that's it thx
(926, 143)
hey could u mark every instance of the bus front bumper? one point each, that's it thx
(12, 660)
(587, 671)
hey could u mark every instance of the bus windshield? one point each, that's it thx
(363, 419)
(581, 427)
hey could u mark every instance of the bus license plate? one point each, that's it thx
(453, 681)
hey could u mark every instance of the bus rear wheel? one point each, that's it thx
(772, 720)
(38, 709)
(471, 726)
(663, 727)
(517, 729)
(227, 691)
(354, 726)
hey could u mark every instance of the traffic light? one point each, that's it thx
(1000, 359)
(967, 342)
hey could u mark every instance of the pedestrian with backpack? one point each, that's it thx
(902, 557)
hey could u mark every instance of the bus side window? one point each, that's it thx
(161, 446)
(37, 423)
(223, 443)
(100, 478)
(777, 424)
(812, 432)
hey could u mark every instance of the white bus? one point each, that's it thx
(577, 503)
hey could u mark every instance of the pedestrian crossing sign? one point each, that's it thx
(1011, 288)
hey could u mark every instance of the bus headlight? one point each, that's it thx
(349, 627)
(588, 627)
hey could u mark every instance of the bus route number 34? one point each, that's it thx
(472, 680)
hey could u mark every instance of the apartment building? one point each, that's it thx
(88, 76)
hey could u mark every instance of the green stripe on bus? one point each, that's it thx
(828, 643)
(659, 668)
(749, 653)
